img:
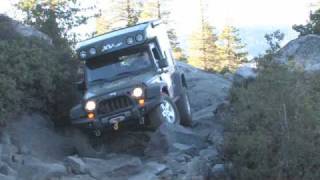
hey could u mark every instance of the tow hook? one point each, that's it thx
(97, 133)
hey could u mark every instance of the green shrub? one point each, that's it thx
(35, 76)
(274, 129)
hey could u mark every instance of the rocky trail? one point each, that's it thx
(31, 148)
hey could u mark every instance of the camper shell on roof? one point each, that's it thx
(121, 39)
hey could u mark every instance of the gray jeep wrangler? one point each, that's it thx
(130, 77)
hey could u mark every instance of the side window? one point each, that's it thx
(156, 53)
(161, 63)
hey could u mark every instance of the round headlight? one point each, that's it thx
(90, 106)
(130, 40)
(83, 54)
(139, 37)
(92, 51)
(137, 92)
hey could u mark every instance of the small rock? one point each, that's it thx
(215, 138)
(41, 171)
(245, 73)
(218, 171)
(24, 150)
(78, 177)
(181, 158)
(150, 171)
(184, 148)
(210, 154)
(166, 136)
(5, 138)
(4, 177)
(8, 151)
(7, 170)
(76, 165)
(197, 168)
(18, 159)
(218, 168)
(99, 168)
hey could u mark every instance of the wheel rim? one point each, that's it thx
(168, 112)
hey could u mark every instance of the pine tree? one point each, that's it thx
(232, 52)
(152, 9)
(117, 13)
(54, 17)
(203, 49)
(102, 25)
(313, 26)
(159, 9)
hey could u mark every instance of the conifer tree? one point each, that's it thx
(152, 9)
(203, 50)
(159, 9)
(102, 25)
(232, 52)
(117, 13)
(313, 26)
(54, 17)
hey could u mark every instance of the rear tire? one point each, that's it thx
(183, 105)
(166, 112)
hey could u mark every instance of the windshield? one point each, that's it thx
(118, 65)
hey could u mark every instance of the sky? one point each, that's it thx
(254, 18)
(247, 15)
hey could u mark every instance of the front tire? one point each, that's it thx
(183, 105)
(165, 112)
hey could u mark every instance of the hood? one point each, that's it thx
(124, 83)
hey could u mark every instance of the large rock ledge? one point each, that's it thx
(304, 52)
(24, 30)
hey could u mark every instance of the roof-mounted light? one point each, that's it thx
(130, 40)
(83, 54)
(139, 37)
(93, 51)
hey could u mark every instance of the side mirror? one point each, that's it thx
(163, 63)
(80, 85)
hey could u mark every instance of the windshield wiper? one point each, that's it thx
(100, 80)
(126, 73)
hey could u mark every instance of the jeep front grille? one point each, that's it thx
(115, 104)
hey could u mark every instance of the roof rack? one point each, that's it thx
(153, 23)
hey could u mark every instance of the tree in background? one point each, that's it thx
(231, 48)
(129, 11)
(117, 13)
(159, 9)
(274, 41)
(152, 9)
(203, 50)
(313, 26)
(55, 65)
(56, 18)
(102, 25)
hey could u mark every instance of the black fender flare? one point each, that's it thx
(180, 83)
(77, 112)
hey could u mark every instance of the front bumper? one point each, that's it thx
(126, 117)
